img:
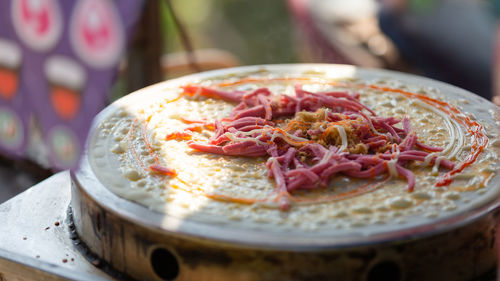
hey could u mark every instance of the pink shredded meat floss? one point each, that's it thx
(297, 164)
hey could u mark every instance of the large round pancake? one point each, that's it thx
(387, 212)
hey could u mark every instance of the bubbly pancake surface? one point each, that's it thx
(237, 190)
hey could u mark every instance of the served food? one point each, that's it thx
(304, 150)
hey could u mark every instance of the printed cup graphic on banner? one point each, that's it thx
(64, 145)
(66, 80)
(10, 62)
(37, 22)
(11, 129)
(96, 33)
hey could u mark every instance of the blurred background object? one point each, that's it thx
(58, 60)
(177, 64)
(448, 40)
(336, 31)
(496, 55)
(229, 33)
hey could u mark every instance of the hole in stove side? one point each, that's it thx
(164, 262)
(386, 270)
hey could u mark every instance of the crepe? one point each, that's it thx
(179, 148)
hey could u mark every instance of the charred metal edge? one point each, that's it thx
(90, 256)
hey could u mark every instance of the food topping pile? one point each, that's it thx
(311, 137)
